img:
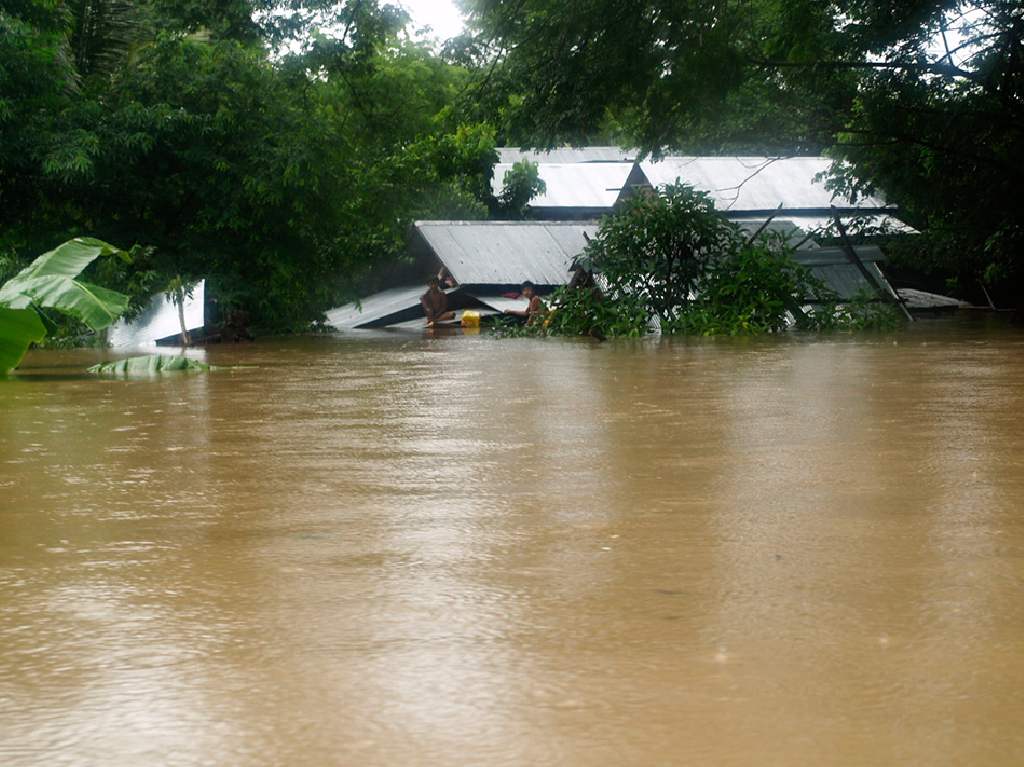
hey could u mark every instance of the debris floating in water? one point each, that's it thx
(149, 364)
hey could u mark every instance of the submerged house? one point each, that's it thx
(753, 188)
(160, 322)
(743, 188)
(489, 260)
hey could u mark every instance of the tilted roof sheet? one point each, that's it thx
(507, 252)
(573, 185)
(755, 183)
(388, 305)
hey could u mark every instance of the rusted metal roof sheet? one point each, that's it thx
(510, 154)
(506, 252)
(574, 185)
(755, 183)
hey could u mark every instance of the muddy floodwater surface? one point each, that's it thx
(398, 550)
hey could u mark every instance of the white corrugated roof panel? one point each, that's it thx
(802, 225)
(816, 223)
(377, 308)
(507, 252)
(754, 183)
(573, 185)
(511, 154)
(160, 320)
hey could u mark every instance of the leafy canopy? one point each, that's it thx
(279, 149)
(924, 98)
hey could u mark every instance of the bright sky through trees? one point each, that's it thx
(441, 15)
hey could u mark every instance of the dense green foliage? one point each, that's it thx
(670, 261)
(521, 183)
(659, 247)
(925, 98)
(281, 148)
(19, 329)
(51, 282)
(282, 174)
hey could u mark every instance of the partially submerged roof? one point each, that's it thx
(507, 252)
(740, 184)
(382, 308)
(487, 257)
(401, 307)
(833, 267)
(919, 300)
(160, 320)
(592, 186)
(511, 154)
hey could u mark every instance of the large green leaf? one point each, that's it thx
(150, 364)
(50, 282)
(18, 329)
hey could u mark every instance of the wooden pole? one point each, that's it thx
(988, 298)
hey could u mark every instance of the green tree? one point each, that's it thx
(282, 177)
(659, 246)
(670, 259)
(522, 182)
(925, 98)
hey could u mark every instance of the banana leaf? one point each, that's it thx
(148, 365)
(51, 282)
(18, 329)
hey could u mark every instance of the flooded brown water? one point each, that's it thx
(394, 550)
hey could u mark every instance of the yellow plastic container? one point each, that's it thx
(470, 319)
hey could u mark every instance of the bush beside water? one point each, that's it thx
(670, 261)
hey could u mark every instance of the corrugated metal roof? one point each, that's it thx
(923, 301)
(506, 252)
(160, 320)
(573, 185)
(511, 154)
(817, 223)
(831, 256)
(831, 266)
(383, 307)
(754, 183)
(846, 280)
(509, 252)
(503, 304)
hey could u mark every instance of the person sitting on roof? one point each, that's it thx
(435, 303)
(583, 279)
(446, 278)
(535, 310)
